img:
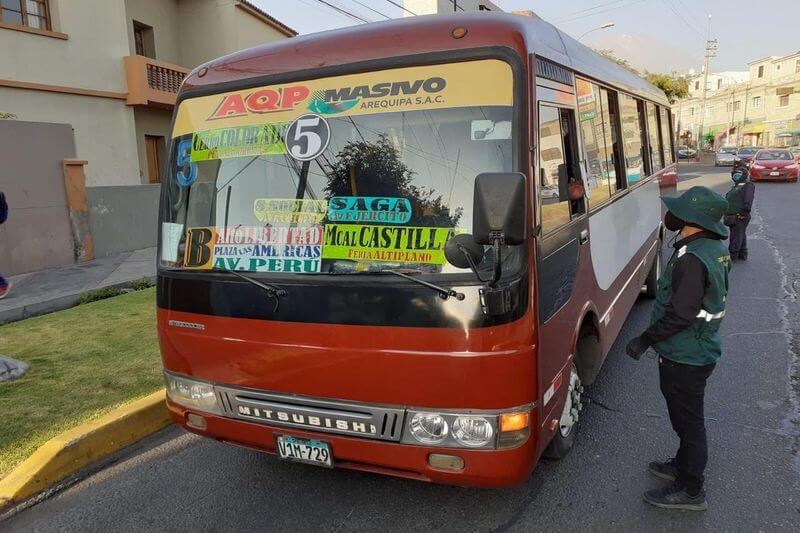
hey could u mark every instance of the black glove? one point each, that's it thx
(636, 347)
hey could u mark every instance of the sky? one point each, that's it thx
(656, 35)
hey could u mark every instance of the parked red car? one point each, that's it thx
(774, 164)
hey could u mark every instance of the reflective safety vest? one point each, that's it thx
(735, 199)
(699, 344)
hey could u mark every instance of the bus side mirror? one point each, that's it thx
(498, 208)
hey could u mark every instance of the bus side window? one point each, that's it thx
(666, 135)
(633, 148)
(612, 127)
(598, 141)
(561, 185)
(653, 135)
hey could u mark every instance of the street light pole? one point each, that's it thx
(604, 26)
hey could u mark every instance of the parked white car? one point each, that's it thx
(684, 152)
(725, 156)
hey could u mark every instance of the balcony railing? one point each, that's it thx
(152, 83)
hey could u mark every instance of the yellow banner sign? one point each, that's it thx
(244, 141)
(387, 244)
(280, 211)
(470, 83)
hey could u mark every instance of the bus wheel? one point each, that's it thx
(651, 285)
(564, 438)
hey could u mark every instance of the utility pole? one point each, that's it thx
(711, 51)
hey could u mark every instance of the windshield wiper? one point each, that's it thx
(273, 291)
(444, 293)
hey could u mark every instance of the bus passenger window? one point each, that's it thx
(597, 144)
(631, 137)
(561, 185)
(653, 137)
(611, 126)
(666, 136)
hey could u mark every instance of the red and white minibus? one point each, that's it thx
(406, 247)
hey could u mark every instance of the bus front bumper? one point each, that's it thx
(482, 468)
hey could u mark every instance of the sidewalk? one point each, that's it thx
(38, 293)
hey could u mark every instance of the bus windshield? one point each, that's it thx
(353, 174)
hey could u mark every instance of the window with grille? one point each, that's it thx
(31, 13)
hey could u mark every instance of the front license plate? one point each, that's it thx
(774, 173)
(315, 452)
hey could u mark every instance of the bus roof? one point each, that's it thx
(416, 35)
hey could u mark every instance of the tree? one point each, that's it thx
(675, 87)
(375, 169)
(609, 54)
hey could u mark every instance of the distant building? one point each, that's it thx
(112, 69)
(434, 7)
(716, 81)
(761, 110)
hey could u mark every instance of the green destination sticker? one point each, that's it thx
(244, 141)
(388, 244)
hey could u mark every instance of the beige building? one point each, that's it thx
(763, 111)
(112, 68)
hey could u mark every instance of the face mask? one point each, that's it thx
(672, 222)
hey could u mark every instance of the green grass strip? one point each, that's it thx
(84, 362)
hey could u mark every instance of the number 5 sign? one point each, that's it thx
(307, 137)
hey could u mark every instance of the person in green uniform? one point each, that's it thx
(684, 331)
(740, 202)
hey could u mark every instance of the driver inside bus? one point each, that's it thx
(684, 331)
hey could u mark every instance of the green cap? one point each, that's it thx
(700, 206)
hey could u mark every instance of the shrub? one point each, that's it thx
(142, 284)
(99, 294)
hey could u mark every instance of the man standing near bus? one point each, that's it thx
(684, 331)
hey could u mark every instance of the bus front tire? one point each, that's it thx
(564, 437)
(651, 284)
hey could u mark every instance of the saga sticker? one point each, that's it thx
(390, 244)
(244, 141)
(369, 209)
(285, 211)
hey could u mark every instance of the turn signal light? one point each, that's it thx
(196, 421)
(514, 421)
(459, 32)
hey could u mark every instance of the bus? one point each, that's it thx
(406, 247)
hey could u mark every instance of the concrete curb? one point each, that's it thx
(77, 448)
(56, 304)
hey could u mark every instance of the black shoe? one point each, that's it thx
(675, 497)
(666, 470)
(743, 256)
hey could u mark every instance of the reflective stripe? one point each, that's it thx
(681, 250)
(708, 317)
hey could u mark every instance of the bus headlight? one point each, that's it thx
(428, 428)
(191, 393)
(479, 430)
(473, 431)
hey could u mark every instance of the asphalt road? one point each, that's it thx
(179, 482)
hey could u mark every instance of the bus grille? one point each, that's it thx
(551, 71)
(312, 414)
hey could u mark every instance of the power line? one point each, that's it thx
(371, 9)
(395, 4)
(456, 6)
(343, 11)
(678, 14)
(601, 11)
(598, 6)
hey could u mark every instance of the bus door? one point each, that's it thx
(563, 230)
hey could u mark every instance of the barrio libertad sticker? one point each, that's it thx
(386, 243)
(254, 249)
